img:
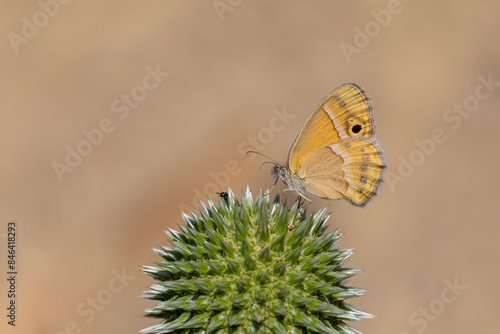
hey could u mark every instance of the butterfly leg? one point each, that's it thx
(302, 196)
(289, 189)
(271, 188)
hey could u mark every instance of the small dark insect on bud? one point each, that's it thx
(223, 195)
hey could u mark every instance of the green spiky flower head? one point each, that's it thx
(252, 267)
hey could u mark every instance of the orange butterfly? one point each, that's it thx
(336, 154)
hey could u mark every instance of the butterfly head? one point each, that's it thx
(280, 172)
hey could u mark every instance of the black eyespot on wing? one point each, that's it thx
(356, 128)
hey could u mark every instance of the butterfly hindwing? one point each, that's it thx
(346, 169)
(362, 167)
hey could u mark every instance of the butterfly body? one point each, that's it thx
(290, 179)
(336, 154)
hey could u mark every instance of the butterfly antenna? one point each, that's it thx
(265, 156)
(266, 162)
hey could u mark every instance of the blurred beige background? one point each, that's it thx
(233, 67)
